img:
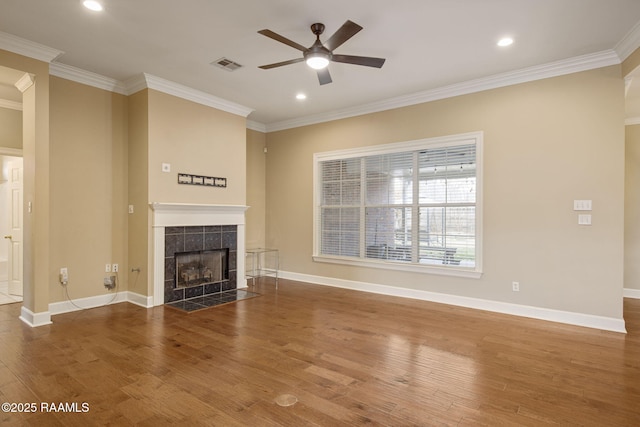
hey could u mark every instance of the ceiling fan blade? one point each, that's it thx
(282, 39)
(324, 77)
(344, 33)
(280, 64)
(359, 60)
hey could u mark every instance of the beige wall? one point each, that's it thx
(631, 63)
(632, 209)
(193, 139)
(139, 240)
(36, 227)
(199, 140)
(10, 128)
(546, 143)
(256, 189)
(89, 187)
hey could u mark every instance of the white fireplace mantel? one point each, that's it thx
(183, 214)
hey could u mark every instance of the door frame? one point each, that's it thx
(14, 152)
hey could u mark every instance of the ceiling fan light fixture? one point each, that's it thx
(317, 61)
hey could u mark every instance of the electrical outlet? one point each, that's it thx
(114, 268)
(107, 268)
(64, 276)
(515, 286)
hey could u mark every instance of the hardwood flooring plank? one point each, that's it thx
(349, 358)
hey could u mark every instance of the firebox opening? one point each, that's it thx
(201, 267)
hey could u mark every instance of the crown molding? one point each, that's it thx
(629, 43)
(144, 81)
(621, 51)
(135, 84)
(86, 77)
(25, 82)
(11, 105)
(27, 48)
(194, 95)
(539, 72)
(257, 126)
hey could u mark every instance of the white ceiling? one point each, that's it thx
(428, 44)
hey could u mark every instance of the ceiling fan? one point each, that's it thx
(319, 55)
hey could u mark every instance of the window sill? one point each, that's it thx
(412, 268)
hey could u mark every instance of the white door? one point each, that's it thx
(14, 264)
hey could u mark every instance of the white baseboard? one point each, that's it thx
(631, 293)
(85, 303)
(571, 318)
(141, 300)
(35, 319)
(44, 318)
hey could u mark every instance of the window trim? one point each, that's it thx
(427, 143)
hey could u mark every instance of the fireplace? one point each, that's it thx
(199, 261)
(181, 229)
(197, 268)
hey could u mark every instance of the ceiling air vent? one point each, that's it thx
(226, 64)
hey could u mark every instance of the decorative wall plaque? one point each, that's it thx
(210, 181)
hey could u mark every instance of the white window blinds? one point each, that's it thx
(410, 203)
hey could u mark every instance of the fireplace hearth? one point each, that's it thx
(199, 261)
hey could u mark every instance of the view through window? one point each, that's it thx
(412, 203)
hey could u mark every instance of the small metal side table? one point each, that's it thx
(262, 262)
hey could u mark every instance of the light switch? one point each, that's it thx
(584, 219)
(582, 205)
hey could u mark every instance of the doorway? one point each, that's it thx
(11, 143)
(11, 229)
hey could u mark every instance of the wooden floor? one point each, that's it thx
(349, 358)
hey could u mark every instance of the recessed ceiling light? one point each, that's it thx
(92, 5)
(507, 41)
(301, 96)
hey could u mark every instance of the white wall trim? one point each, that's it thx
(538, 72)
(631, 293)
(86, 303)
(571, 318)
(257, 126)
(25, 82)
(15, 152)
(630, 121)
(141, 300)
(629, 43)
(196, 96)
(87, 77)
(28, 48)
(11, 105)
(44, 318)
(35, 319)
(61, 307)
(571, 65)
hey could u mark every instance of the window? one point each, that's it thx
(411, 205)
